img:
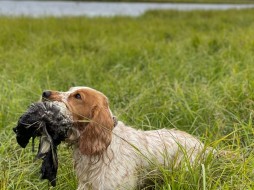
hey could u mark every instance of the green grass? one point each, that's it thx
(188, 70)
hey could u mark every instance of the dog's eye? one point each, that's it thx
(77, 96)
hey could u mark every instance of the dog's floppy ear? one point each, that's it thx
(97, 134)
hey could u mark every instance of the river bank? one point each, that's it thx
(93, 9)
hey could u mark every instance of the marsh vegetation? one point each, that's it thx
(166, 69)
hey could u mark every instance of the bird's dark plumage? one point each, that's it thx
(44, 120)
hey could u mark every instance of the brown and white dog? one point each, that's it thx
(108, 154)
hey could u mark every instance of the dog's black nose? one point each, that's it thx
(46, 94)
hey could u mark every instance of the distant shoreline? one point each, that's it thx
(163, 1)
(93, 9)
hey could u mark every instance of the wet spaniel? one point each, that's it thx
(110, 155)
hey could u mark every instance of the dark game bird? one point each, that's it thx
(47, 121)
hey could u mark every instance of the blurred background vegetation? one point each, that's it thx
(165, 69)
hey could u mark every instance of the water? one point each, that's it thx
(91, 9)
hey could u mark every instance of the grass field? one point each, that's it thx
(187, 70)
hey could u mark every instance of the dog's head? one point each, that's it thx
(91, 116)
